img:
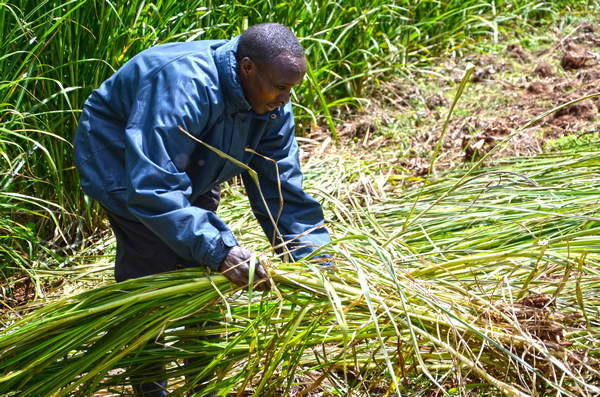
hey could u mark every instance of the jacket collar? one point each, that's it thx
(227, 66)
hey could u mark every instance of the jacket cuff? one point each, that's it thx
(223, 245)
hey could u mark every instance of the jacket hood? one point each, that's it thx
(227, 66)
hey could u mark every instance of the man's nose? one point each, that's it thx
(284, 97)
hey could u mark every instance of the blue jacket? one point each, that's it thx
(133, 159)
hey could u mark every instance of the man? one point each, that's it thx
(160, 188)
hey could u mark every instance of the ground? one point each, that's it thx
(513, 82)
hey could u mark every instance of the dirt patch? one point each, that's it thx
(538, 316)
(532, 99)
(586, 36)
(419, 166)
(517, 52)
(19, 291)
(484, 74)
(574, 57)
(543, 70)
(477, 137)
(583, 110)
(435, 101)
(358, 129)
(588, 75)
(541, 91)
(471, 137)
(364, 130)
(537, 88)
(569, 118)
(507, 90)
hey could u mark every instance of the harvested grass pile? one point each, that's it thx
(487, 283)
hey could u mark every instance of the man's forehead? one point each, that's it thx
(286, 78)
(289, 63)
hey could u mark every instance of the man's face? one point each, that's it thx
(268, 86)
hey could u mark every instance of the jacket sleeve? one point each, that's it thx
(300, 222)
(156, 155)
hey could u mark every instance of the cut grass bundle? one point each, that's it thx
(494, 288)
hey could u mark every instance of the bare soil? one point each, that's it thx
(508, 89)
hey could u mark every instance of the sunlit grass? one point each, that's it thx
(449, 299)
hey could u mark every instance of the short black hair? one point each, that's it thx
(266, 41)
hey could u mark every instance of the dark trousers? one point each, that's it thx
(141, 253)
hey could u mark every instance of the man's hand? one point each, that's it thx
(236, 267)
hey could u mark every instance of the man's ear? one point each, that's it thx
(247, 66)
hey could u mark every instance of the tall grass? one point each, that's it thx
(493, 289)
(53, 53)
